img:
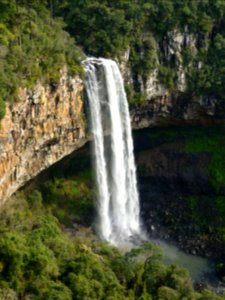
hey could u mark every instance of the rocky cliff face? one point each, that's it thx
(45, 125)
(176, 109)
(166, 106)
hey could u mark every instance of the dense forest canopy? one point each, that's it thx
(40, 255)
(33, 44)
(108, 28)
(44, 257)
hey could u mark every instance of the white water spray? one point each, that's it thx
(118, 199)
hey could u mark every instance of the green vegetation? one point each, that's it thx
(39, 260)
(196, 212)
(2, 108)
(196, 140)
(70, 200)
(211, 142)
(167, 77)
(208, 80)
(206, 214)
(208, 211)
(48, 250)
(107, 28)
(33, 46)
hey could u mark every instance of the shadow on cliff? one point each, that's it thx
(181, 172)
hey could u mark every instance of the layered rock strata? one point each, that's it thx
(43, 126)
(47, 123)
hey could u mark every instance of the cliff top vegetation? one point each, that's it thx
(35, 43)
(33, 46)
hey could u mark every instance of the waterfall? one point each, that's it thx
(118, 199)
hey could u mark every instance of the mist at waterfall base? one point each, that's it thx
(118, 199)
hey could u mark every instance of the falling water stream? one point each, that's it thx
(118, 200)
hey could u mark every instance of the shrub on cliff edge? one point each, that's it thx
(2, 109)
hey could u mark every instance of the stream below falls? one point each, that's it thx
(200, 269)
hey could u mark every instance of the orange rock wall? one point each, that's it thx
(38, 130)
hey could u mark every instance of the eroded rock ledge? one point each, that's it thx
(177, 109)
(45, 125)
(48, 123)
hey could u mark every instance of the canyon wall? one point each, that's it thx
(43, 126)
(176, 105)
(48, 122)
